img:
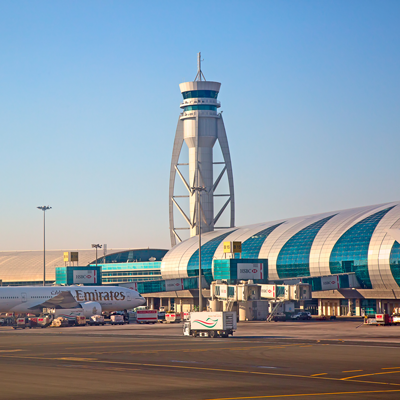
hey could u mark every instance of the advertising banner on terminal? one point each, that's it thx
(223, 291)
(250, 271)
(330, 282)
(173, 284)
(268, 291)
(84, 276)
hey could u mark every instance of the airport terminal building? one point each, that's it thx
(364, 241)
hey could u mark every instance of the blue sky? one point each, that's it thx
(89, 101)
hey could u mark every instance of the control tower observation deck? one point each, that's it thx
(200, 126)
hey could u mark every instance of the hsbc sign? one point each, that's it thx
(84, 276)
(268, 291)
(173, 284)
(330, 282)
(250, 271)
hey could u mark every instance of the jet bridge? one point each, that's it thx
(257, 301)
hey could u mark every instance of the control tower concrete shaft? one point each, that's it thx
(200, 126)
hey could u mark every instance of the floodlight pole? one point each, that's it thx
(44, 209)
(198, 190)
(97, 246)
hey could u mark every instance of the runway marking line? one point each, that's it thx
(354, 370)
(306, 394)
(208, 369)
(10, 351)
(324, 373)
(376, 373)
(391, 368)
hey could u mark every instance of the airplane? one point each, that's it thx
(90, 300)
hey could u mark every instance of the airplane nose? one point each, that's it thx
(143, 301)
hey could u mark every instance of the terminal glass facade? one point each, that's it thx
(131, 256)
(350, 253)
(395, 262)
(294, 258)
(207, 253)
(252, 246)
(130, 272)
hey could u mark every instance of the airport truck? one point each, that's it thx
(210, 324)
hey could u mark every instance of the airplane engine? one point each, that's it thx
(91, 308)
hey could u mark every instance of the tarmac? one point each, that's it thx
(306, 359)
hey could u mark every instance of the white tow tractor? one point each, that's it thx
(210, 324)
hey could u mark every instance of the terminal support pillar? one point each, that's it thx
(349, 306)
(358, 308)
(320, 311)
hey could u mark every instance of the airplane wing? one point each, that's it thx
(62, 300)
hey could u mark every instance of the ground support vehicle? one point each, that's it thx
(173, 317)
(161, 316)
(301, 316)
(60, 322)
(21, 323)
(80, 320)
(117, 320)
(279, 317)
(44, 322)
(396, 319)
(96, 320)
(210, 324)
(146, 316)
(378, 319)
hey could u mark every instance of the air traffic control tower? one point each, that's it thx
(200, 126)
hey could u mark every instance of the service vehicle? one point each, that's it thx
(117, 319)
(96, 320)
(380, 319)
(210, 324)
(146, 316)
(302, 316)
(279, 317)
(172, 317)
(396, 319)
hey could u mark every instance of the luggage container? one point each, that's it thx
(117, 319)
(60, 322)
(21, 323)
(146, 316)
(173, 317)
(80, 320)
(383, 319)
(43, 322)
(96, 320)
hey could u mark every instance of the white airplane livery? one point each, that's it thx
(91, 300)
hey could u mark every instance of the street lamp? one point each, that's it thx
(96, 246)
(198, 190)
(44, 209)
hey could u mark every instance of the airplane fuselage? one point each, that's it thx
(25, 299)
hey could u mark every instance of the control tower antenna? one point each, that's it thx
(199, 71)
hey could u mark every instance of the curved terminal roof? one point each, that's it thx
(361, 240)
(27, 265)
